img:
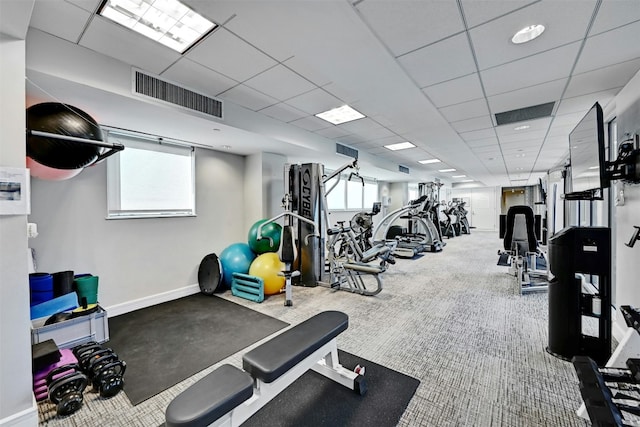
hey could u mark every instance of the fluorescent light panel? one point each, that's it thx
(166, 21)
(446, 170)
(459, 176)
(428, 161)
(399, 146)
(340, 115)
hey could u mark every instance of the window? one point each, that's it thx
(151, 177)
(351, 195)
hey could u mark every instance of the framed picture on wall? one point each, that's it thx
(15, 194)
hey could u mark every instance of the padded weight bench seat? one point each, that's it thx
(210, 398)
(278, 355)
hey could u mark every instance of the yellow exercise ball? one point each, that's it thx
(267, 266)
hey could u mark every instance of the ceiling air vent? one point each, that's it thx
(403, 169)
(347, 151)
(524, 114)
(153, 87)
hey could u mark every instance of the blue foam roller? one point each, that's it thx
(57, 305)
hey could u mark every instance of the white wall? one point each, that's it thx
(17, 406)
(137, 258)
(626, 262)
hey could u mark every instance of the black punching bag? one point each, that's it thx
(54, 158)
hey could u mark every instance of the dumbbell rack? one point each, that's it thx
(602, 389)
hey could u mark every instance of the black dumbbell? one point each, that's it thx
(66, 391)
(96, 365)
(110, 379)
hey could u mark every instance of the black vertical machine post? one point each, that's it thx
(304, 181)
(575, 253)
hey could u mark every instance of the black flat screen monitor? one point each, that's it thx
(586, 151)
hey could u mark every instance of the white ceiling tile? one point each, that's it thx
(465, 110)
(472, 124)
(360, 125)
(332, 132)
(310, 123)
(248, 97)
(530, 71)
(612, 47)
(414, 25)
(303, 68)
(352, 139)
(527, 97)
(455, 91)
(59, 18)
(280, 83)
(314, 102)
(524, 136)
(602, 79)
(388, 140)
(526, 146)
(483, 142)
(571, 119)
(283, 112)
(88, 5)
(614, 14)
(477, 134)
(227, 54)
(198, 77)
(127, 46)
(584, 102)
(495, 148)
(441, 61)
(480, 11)
(565, 22)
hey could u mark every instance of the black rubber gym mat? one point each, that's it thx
(314, 400)
(167, 343)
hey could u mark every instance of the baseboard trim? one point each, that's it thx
(148, 301)
(25, 418)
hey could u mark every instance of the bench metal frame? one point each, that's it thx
(324, 361)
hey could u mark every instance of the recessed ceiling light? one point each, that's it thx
(166, 21)
(340, 115)
(399, 146)
(428, 161)
(527, 34)
(459, 176)
(226, 147)
(467, 180)
(523, 127)
(446, 170)
(520, 155)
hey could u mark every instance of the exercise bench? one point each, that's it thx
(229, 396)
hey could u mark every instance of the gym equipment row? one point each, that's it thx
(420, 235)
(228, 396)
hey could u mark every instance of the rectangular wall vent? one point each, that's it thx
(153, 87)
(403, 169)
(347, 151)
(524, 114)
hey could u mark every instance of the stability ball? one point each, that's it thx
(58, 159)
(267, 266)
(270, 231)
(236, 258)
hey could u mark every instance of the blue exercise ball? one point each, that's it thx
(236, 258)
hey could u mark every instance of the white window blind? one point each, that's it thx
(150, 178)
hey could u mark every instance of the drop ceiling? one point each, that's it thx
(434, 73)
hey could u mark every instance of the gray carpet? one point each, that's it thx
(454, 320)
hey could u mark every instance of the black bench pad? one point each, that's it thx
(275, 357)
(210, 398)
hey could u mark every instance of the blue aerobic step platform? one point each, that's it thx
(247, 287)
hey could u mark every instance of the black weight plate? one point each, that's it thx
(209, 274)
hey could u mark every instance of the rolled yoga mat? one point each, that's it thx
(87, 287)
(41, 287)
(62, 283)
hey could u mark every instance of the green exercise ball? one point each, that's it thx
(270, 241)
